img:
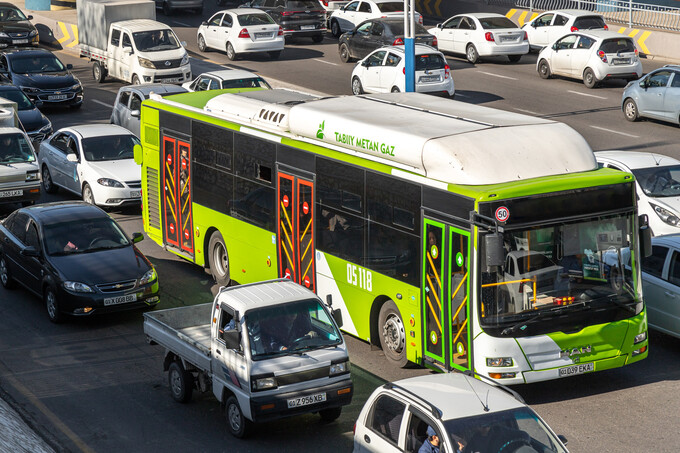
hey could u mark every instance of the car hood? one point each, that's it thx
(162, 55)
(32, 119)
(50, 80)
(16, 27)
(104, 266)
(121, 170)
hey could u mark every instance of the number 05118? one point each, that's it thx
(360, 277)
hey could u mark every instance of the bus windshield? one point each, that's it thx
(562, 277)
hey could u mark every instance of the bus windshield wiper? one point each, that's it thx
(542, 315)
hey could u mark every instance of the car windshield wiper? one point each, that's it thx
(543, 315)
(315, 347)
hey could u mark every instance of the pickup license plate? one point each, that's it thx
(11, 193)
(306, 400)
(307, 27)
(120, 299)
(621, 61)
(263, 35)
(20, 41)
(56, 97)
(136, 194)
(576, 369)
(429, 79)
(171, 80)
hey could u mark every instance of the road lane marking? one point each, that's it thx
(498, 75)
(102, 103)
(615, 132)
(526, 111)
(586, 94)
(181, 23)
(324, 61)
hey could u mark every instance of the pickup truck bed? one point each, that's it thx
(184, 331)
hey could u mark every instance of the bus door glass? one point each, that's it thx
(177, 218)
(445, 291)
(295, 229)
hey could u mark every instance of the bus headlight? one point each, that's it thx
(265, 383)
(665, 215)
(498, 361)
(339, 368)
(639, 338)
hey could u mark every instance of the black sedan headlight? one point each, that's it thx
(30, 90)
(78, 287)
(148, 277)
(76, 87)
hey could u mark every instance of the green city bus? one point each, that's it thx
(451, 235)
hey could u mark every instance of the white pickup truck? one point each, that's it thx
(123, 40)
(266, 350)
(19, 171)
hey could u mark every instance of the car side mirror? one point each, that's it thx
(364, 63)
(555, 48)
(534, 24)
(562, 439)
(29, 17)
(137, 237)
(645, 235)
(494, 252)
(135, 113)
(69, 66)
(127, 50)
(30, 251)
(71, 157)
(204, 23)
(232, 339)
(439, 25)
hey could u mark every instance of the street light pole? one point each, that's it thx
(409, 44)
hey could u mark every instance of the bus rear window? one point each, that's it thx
(429, 61)
(617, 45)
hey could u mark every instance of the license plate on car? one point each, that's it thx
(56, 97)
(120, 299)
(429, 79)
(263, 35)
(507, 38)
(620, 61)
(11, 193)
(20, 41)
(577, 369)
(307, 27)
(136, 194)
(172, 80)
(306, 400)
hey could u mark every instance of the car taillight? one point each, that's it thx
(244, 33)
(605, 27)
(354, 430)
(398, 42)
(574, 28)
(404, 70)
(637, 53)
(602, 55)
(280, 31)
(488, 36)
(288, 13)
(325, 2)
(526, 36)
(434, 41)
(447, 71)
(420, 19)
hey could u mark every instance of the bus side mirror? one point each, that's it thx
(494, 250)
(137, 153)
(337, 316)
(645, 236)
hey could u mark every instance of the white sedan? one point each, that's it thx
(93, 161)
(226, 78)
(591, 56)
(239, 31)
(479, 35)
(382, 71)
(552, 25)
(355, 12)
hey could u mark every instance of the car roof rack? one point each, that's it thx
(436, 412)
(481, 377)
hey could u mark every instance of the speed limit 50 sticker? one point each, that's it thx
(502, 214)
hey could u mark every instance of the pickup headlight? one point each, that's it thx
(339, 368)
(498, 361)
(108, 182)
(639, 338)
(185, 59)
(77, 287)
(665, 215)
(32, 175)
(148, 277)
(265, 383)
(146, 63)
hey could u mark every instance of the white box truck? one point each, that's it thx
(123, 40)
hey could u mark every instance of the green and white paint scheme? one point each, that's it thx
(384, 203)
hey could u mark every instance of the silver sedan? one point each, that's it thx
(656, 95)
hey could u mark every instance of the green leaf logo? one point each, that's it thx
(320, 134)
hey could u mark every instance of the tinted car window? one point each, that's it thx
(653, 264)
(392, 60)
(429, 61)
(215, 20)
(543, 20)
(18, 226)
(109, 147)
(377, 29)
(676, 80)
(124, 98)
(32, 239)
(365, 8)
(489, 23)
(589, 23)
(303, 4)
(560, 20)
(136, 102)
(391, 7)
(453, 23)
(674, 271)
(155, 40)
(659, 79)
(397, 28)
(252, 82)
(567, 42)
(255, 19)
(617, 45)
(31, 63)
(585, 43)
(376, 58)
(18, 96)
(11, 14)
(83, 235)
(352, 6)
(385, 418)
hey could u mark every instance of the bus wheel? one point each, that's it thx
(392, 334)
(219, 259)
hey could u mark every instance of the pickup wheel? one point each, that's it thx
(98, 72)
(181, 383)
(135, 80)
(218, 259)
(238, 425)
(329, 415)
(392, 334)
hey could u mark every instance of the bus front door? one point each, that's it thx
(177, 212)
(445, 296)
(295, 229)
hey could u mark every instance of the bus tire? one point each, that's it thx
(237, 424)
(392, 334)
(219, 259)
(181, 383)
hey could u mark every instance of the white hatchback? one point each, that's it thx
(94, 161)
(383, 71)
(355, 12)
(453, 411)
(239, 31)
(478, 35)
(552, 25)
(592, 56)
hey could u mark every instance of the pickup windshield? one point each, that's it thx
(14, 148)
(289, 329)
(155, 40)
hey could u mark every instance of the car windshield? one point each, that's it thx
(490, 23)
(617, 45)
(429, 61)
(589, 23)
(109, 147)
(37, 64)
(155, 40)
(397, 28)
(14, 148)
(254, 19)
(18, 96)
(82, 235)
(557, 277)
(508, 430)
(11, 14)
(290, 329)
(250, 82)
(391, 7)
(662, 181)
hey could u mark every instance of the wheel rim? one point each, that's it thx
(356, 86)
(87, 195)
(471, 53)
(221, 260)
(230, 51)
(335, 29)
(630, 110)
(589, 78)
(234, 415)
(4, 278)
(201, 43)
(96, 72)
(135, 80)
(47, 180)
(544, 68)
(393, 334)
(175, 382)
(51, 302)
(343, 52)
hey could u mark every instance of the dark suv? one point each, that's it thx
(298, 18)
(15, 28)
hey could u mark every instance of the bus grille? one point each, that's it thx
(152, 195)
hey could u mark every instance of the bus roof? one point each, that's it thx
(449, 141)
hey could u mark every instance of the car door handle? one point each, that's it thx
(669, 294)
(367, 439)
(218, 351)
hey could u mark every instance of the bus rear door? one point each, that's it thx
(177, 212)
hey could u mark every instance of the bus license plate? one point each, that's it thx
(136, 194)
(11, 193)
(306, 400)
(120, 299)
(576, 369)
(56, 97)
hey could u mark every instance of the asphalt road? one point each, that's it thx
(95, 385)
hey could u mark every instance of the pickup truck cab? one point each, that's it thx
(267, 350)
(140, 51)
(19, 171)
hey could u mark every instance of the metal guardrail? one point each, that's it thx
(617, 11)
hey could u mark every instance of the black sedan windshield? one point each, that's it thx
(80, 236)
(37, 64)
(109, 147)
(18, 96)
(11, 14)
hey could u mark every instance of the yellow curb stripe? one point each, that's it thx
(533, 16)
(437, 10)
(641, 42)
(521, 18)
(633, 33)
(75, 36)
(64, 32)
(622, 30)
(510, 13)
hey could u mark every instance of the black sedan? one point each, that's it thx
(34, 122)
(298, 18)
(42, 76)
(374, 33)
(77, 258)
(15, 28)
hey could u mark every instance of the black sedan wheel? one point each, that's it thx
(344, 53)
(52, 305)
(5, 276)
